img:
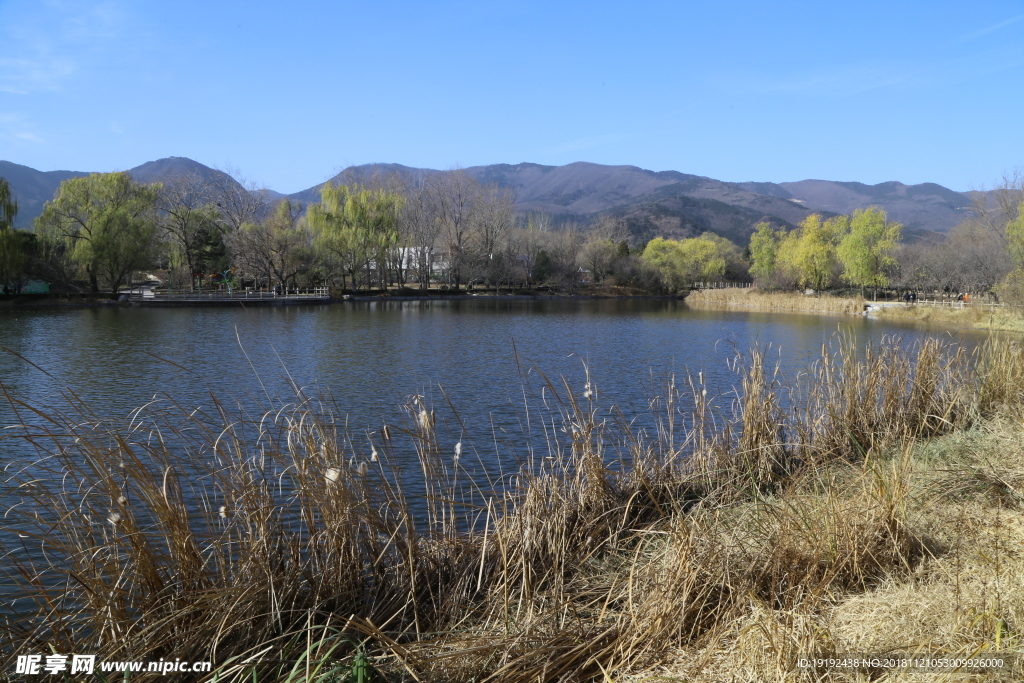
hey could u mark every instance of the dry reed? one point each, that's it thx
(276, 548)
(755, 299)
(1005, 318)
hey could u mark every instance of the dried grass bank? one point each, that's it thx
(1002, 318)
(880, 510)
(754, 299)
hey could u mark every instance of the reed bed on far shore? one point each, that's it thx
(738, 535)
(755, 299)
(1004, 318)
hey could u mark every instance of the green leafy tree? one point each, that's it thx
(808, 254)
(358, 227)
(106, 223)
(704, 258)
(1015, 235)
(12, 254)
(764, 250)
(665, 258)
(1011, 289)
(866, 250)
(723, 260)
(698, 259)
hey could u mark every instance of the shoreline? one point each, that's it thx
(976, 317)
(971, 317)
(53, 302)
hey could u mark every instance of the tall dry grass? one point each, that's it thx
(1005, 318)
(281, 547)
(755, 299)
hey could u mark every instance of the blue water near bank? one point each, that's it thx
(483, 357)
(371, 357)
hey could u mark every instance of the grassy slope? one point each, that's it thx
(963, 594)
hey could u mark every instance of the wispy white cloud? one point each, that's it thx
(989, 29)
(42, 72)
(17, 128)
(44, 45)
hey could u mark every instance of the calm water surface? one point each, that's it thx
(371, 358)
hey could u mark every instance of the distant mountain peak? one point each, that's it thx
(658, 202)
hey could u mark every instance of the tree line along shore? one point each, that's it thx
(103, 232)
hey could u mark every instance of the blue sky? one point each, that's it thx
(290, 93)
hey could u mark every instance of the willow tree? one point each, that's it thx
(764, 250)
(358, 227)
(808, 254)
(663, 255)
(866, 250)
(1015, 234)
(12, 255)
(106, 223)
(682, 263)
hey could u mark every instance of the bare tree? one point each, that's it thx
(494, 218)
(529, 242)
(238, 201)
(995, 208)
(454, 198)
(189, 224)
(976, 256)
(421, 230)
(565, 247)
(973, 257)
(598, 256)
(276, 250)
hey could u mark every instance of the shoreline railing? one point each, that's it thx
(235, 295)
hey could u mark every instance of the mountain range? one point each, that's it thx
(650, 203)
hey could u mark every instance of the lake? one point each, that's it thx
(489, 368)
(371, 358)
(477, 362)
